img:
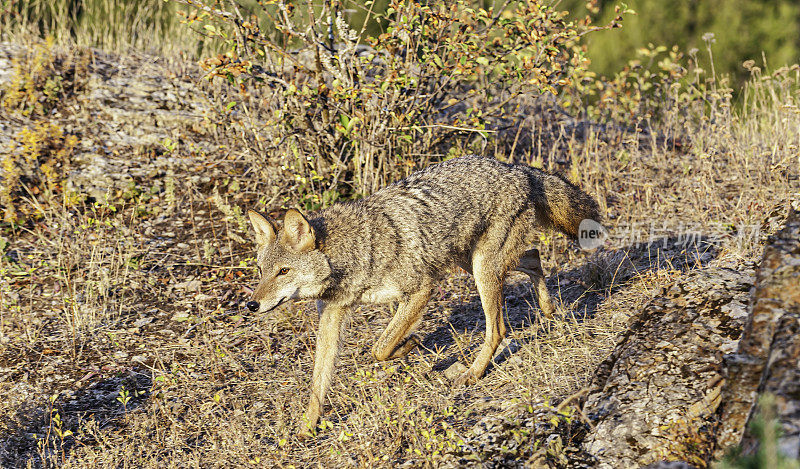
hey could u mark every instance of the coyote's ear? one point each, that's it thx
(298, 234)
(265, 228)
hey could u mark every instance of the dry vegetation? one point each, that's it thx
(124, 340)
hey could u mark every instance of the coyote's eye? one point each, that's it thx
(283, 271)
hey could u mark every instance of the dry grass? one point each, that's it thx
(151, 25)
(131, 327)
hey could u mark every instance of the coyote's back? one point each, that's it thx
(472, 188)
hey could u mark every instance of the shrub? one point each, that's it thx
(346, 112)
(39, 155)
(33, 171)
(43, 78)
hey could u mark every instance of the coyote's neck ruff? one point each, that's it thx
(473, 212)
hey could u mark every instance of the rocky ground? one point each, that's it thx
(124, 340)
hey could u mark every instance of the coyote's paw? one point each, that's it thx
(308, 426)
(466, 379)
(305, 430)
(548, 309)
(303, 433)
(380, 352)
(459, 374)
(410, 344)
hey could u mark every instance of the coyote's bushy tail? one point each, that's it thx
(566, 205)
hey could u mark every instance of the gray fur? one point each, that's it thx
(415, 230)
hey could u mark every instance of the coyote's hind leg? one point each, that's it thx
(489, 280)
(531, 264)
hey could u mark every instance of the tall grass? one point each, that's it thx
(146, 25)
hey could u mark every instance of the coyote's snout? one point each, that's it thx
(473, 212)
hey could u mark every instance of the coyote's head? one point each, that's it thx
(289, 263)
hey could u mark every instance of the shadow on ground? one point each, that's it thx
(579, 290)
(40, 435)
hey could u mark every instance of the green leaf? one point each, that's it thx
(349, 125)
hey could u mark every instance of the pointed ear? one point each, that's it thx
(298, 234)
(265, 228)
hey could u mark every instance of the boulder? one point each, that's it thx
(768, 356)
(656, 396)
(685, 379)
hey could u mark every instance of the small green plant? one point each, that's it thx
(766, 431)
(58, 426)
(124, 397)
(52, 445)
(169, 145)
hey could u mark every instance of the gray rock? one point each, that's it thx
(768, 356)
(455, 370)
(663, 381)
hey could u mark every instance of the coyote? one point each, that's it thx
(395, 245)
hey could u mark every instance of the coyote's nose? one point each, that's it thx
(252, 306)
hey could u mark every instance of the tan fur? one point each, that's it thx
(473, 212)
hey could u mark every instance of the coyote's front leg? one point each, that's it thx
(331, 324)
(409, 312)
